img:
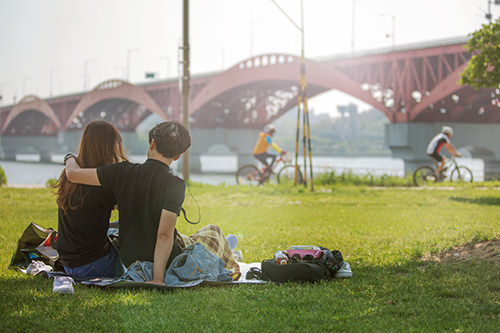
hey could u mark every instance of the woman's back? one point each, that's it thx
(82, 232)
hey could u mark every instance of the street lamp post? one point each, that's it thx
(221, 53)
(393, 34)
(51, 85)
(122, 70)
(302, 104)
(85, 72)
(129, 51)
(24, 84)
(252, 25)
(353, 35)
(167, 60)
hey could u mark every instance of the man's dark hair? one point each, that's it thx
(171, 138)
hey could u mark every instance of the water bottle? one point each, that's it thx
(280, 258)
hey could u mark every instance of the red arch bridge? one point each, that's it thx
(414, 86)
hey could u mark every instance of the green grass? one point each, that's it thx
(382, 232)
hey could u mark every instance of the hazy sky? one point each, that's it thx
(46, 44)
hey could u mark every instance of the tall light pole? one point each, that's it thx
(51, 84)
(252, 25)
(167, 60)
(302, 104)
(353, 34)
(85, 72)
(186, 80)
(129, 51)
(122, 69)
(1, 93)
(221, 54)
(393, 34)
(25, 78)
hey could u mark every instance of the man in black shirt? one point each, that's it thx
(149, 197)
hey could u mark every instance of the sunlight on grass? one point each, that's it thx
(382, 233)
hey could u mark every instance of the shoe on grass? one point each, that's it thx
(232, 240)
(237, 255)
(36, 267)
(344, 271)
(63, 284)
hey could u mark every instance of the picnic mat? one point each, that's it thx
(121, 283)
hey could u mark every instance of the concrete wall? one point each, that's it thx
(238, 141)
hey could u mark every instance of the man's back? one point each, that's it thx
(142, 192)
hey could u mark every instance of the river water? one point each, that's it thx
(27, 171)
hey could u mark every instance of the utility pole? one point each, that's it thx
(302, 104)
(185, 84)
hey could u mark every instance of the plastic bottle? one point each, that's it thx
(281, 258)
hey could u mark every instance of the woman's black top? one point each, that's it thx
(82, 233)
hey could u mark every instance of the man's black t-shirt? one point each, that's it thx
(82, 233)
(142, 192)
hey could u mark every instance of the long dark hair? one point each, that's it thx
(101, 144)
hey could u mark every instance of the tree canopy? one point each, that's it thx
(483, 70)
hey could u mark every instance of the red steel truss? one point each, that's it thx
(413, 83)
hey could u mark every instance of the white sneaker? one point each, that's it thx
(344, 271)
(232, 240)
(36, 267)
(237, 255)
(63, 285)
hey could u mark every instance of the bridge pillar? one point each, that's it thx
(239, 142)
(409, 141)
(46, 156)
(43, 144)
(135, 143)
(194, 162)
(8, 155)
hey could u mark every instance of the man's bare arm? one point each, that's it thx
(451, 149)
(75, 174)
(164, 244)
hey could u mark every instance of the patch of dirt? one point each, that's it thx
(486, 250)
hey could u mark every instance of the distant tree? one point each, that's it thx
(483, 70)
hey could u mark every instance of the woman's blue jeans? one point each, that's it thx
(107, 266)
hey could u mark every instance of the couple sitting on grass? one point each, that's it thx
(148, 196)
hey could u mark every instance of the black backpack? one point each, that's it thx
(300, 270)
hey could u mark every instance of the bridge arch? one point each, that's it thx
(115, 89)
(273, 71)
(35, 104)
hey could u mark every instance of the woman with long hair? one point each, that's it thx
(84, 211)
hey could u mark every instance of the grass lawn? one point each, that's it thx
(382, 233)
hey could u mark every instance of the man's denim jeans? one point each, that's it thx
(106, 266)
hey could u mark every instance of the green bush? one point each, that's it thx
(3, 177)
(51, 183)
(348, 178)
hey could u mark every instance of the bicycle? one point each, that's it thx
(424, 175)
(250, 174)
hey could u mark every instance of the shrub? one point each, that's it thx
(330, 178)
(51, 182)
(3, 177)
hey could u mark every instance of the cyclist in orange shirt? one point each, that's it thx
(260, 150)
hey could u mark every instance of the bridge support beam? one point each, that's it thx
(8, 155)
(238, 141)
(46, 156)
(43, 144)
(408, 141)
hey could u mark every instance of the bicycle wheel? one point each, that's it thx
(461, 174)
(424, 175)
(287, 174)
(248, 175)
